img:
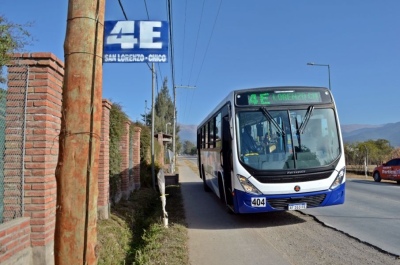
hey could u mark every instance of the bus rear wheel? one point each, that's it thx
(377, 177)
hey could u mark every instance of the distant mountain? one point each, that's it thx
(354, 127)
(351, 133)
(361, 133)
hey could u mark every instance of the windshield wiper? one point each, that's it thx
(269, 117)
(306, 118)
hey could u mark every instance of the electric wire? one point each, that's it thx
(171, 46)
(209, 41)
(123, 10)
(184, 36)
(202, 63)
(169, 9)
(197, 38)
(147, 11)
(126, 18)
(158, 65)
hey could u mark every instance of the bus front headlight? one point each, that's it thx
(339, 178)
(248, 186)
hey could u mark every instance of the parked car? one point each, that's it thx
(389, 171)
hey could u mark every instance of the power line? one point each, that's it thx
(173, 80)
(171, 42)
(195, 47)
(209, 40)
(148, 17)
(147, 11)
(158, 65)
(123, 10)
(183, 43)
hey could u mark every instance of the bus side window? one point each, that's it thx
(206, 133)
(218, 130)
(211, 139)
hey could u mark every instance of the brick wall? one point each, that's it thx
(124, 150)
(43, 123)
(29, 239)
(136, 157)
(104, 163)
(41, 155)
(15, 241)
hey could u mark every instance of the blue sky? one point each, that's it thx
(220, 47)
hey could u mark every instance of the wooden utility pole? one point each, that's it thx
(76, 174)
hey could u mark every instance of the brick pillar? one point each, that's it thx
(160, 158)
(136, 157)
(131, 135)
(104, 163)
(43, 123)
(13, 143)
(124, 150)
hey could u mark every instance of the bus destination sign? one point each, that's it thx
(263, 98)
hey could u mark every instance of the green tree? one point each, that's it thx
(384, 150)
(117, 120)
(164, 109)
(164, 113)
(187, 147)
(13, 38)
(377, 152)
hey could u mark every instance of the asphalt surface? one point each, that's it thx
(217, 237)
(370, 213)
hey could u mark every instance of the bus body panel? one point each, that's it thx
(285, 188)
(331, 197)
(211, 159)
(212, 167)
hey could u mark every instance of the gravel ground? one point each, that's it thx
(297, 239)
(309, 242)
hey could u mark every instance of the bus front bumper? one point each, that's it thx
(249, 203)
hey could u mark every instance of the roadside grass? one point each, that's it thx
(135, 233)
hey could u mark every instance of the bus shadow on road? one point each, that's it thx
(272, 219)
(204, 210)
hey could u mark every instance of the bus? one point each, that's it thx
(273, 149)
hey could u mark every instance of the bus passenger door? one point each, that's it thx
(227, 158)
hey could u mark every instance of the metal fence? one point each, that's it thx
(13, 98)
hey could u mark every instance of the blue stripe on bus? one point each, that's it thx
(242, 200)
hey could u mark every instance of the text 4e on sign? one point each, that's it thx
(135, 41)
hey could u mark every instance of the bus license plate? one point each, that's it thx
(258, 202)
(297, 206)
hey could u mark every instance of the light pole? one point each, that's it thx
(166, 127)
(145, 112)
(366, 162)
(329, 71)
(174, 127)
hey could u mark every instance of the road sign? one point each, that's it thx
(136, 41)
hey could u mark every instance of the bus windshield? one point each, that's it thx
(287, 139)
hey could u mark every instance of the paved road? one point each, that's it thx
(371, 213)
(208, 241)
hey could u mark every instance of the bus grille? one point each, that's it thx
(282, 203)
(293, 178)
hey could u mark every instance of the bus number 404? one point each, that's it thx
(258, 202)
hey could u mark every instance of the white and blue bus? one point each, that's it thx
(273, 149)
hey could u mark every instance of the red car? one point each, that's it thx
(389, 170)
